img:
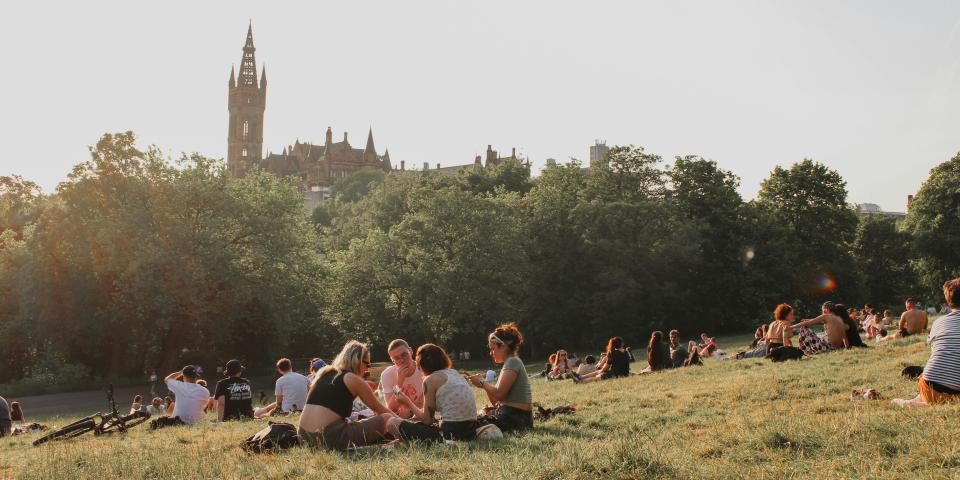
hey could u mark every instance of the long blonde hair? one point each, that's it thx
(348, 359)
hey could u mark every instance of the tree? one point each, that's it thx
(707, 196)
(933, 220)
(811, 201)
(883, 255)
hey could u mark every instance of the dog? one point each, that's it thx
(911, 371)
(781, 354)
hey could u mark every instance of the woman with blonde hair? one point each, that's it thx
(325, 418)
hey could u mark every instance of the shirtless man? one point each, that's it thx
(832, 324)
(913, 321)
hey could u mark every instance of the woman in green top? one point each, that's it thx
(511, 395)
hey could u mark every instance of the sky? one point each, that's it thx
(869, 88)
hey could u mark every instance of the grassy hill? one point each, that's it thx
(727, 419)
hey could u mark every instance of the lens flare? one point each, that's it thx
(825, 283)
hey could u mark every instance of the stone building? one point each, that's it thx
(491, 157)
(317, 166)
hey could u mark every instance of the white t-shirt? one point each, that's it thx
(412, 387)
(191, 400)
(293, 387)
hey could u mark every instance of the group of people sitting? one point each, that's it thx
(420, 396)
(841, 329)
(615, 361)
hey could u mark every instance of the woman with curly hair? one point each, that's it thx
(511, 395)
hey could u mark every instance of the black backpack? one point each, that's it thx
(273, 438)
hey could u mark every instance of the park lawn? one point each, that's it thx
(728, 419)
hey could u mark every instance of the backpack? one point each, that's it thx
(273, 438)
(780, 354)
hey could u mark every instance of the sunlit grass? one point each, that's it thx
(727, 419)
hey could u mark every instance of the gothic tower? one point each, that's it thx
(247, 101)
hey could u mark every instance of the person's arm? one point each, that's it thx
(359, 388)
(426, 414)
(386, 387)
(496, 393)
(221, 406)
(902, 324)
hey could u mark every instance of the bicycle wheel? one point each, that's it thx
(75, 429)
(114, 424)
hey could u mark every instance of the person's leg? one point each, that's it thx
(414, 431)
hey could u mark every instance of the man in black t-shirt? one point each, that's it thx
(234, 395)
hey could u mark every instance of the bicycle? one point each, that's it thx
(98, 423)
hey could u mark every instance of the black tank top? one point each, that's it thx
(330, 391)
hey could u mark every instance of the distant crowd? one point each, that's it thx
(421, 397)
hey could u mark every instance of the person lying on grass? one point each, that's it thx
(445, 392)
(940, 380)
(511, 396)
(614, 363)
(325, 418)
(588, 366)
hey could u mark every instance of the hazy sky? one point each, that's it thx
(869, 88)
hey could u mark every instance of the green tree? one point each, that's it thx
(883, 254)
(811, 201)
(933, 220)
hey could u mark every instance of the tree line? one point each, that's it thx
(137, 262)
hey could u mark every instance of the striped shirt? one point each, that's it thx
(944, 339)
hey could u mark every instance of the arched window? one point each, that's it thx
(243, 153)
(246, 129)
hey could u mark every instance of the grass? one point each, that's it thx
(727, 419)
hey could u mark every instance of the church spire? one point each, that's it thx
(248, 65)
(370, 148)
(233, 78)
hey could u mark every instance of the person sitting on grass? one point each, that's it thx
(678, 353)
(589, 365)
(614, 363)
(191, 397)
(16, 413)
(156, 408)
(511, 396)
(6, 423)
(852, 332)
(325, 418)
(402, 376)
(759, 335)
(940, 381)
(233, 395)
(548, 367)
(779, 333)
(658, 355)
(912, 321)
(211, 404)
(834, 326)
(562, 367)
(445, 392)
(291, 388)
(137, 405)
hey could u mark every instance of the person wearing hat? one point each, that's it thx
(233, 395)
(191, 398)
